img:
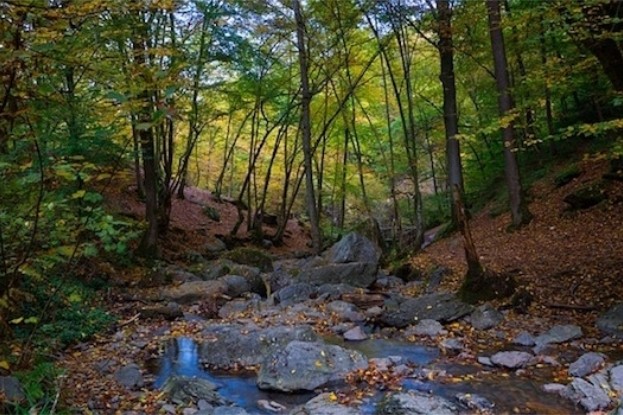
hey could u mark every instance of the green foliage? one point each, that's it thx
(41, 386)
(436, 209)
(67, 310)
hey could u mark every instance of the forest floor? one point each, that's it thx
(571, 263)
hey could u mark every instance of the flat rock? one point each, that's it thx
(486, 317)
(416, 403)
(130, 376)
(305, 366)
(524, 339)
(355, 334)
(440, 307)
(356, 274)
(354, 247)
(511, 360)
(612, 321)
(554, 388)
(559, 334)
(170, 311)
(426, 327)
(324, 405)
(587, 363)
(335, 291)
(12, 389)
(230, 344)
(194, 291)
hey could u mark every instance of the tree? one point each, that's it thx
(520, 214)
(305, 127)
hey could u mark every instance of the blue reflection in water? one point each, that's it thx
(181, 358)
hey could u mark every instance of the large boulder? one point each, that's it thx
(194, 291)
(294, 293)
(612, 321)
(441, 307)
(356, 274)
(324, 405)
(416, 403)
(230, 344)
(354, 248)
(305, 366)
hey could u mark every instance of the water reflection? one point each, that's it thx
(181, 358)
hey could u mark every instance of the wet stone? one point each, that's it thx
(475, 402)
(587, 364)
(511, 360)
(559, 334)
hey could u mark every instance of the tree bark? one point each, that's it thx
(305, 125)
(519, 211)
(450, 113)
(148, 246)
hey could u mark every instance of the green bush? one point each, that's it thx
(567, 175)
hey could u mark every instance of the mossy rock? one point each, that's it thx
(586, 197)
(212, 213)
(567, 175)
(486, 286)
(252, 257)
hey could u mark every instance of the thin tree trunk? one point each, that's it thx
(450, 113)
(305, 125)
(519, 210)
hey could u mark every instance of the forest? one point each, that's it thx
(335, 173)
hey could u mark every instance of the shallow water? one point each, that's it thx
(511, 394)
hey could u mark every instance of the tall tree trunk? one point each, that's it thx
(519, 210)
(148, 246)
(450, 113)
(305, 125)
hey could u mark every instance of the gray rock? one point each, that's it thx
(511, 360)
(524, 339)
(355, 334)
(307, 366)
(559, 334)
(12, 389)
(229, 410)
(214, 247)
(231, 344)
(612, 321)
(453, 345)
(426, 327)
(335, 291)
(587, 363)
(170, 311)
(387, 282)
(441, 307)
(416, 403)
(345, 311)
(356, 274)
(616, 379)
(235, 307)
(588, 393)
(374, 311)
(294, 293)
(194, 291)
(324, 405)
(130, 376)
(484, 360)
(475, 402)
(354, 248)
(182, 390)
(486, 317)
(554, 388)
(236, 285)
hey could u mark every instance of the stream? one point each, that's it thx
(509, 392)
